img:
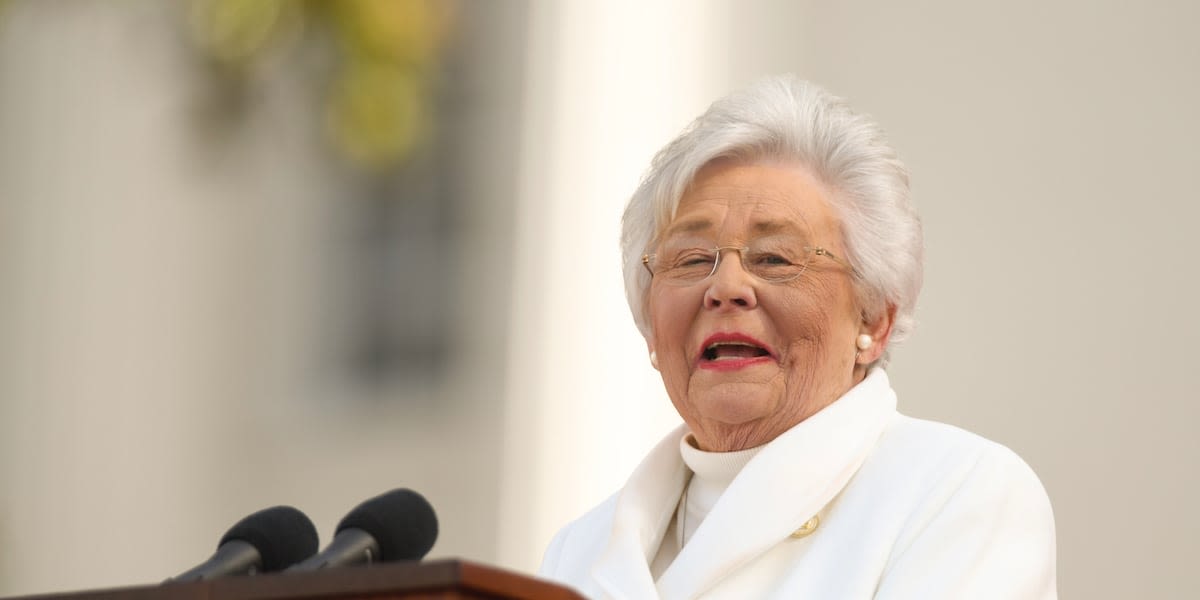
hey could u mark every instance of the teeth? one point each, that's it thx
(713, 352)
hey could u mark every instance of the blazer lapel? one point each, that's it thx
(786, 483)
(644, 510)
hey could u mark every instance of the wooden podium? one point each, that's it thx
(441, 579)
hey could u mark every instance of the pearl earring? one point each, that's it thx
(864, 341)
(654, 359)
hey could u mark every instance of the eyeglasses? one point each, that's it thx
(772, 260)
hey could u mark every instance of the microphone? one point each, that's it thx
(397, 525)
(265, 541)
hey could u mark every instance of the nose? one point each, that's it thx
(730, 286)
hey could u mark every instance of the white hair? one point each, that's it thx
(785, 119)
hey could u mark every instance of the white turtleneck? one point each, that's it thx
(712, 472)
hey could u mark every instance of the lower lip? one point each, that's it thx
(734, 364)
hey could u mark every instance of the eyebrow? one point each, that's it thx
(688, 226)
(701, 224)
(768, 227)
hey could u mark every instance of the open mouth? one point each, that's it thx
(732, 351)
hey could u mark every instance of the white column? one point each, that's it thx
(607, 85)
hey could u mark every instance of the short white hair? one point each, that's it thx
(784, 119)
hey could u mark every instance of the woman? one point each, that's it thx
(772, 257)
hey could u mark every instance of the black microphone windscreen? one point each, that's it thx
(282, 535)
(401, 521)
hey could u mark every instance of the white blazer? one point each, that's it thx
(902, 508)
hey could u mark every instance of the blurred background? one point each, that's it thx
(258, 252)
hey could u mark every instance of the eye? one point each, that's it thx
(768, 259)
(693, 258)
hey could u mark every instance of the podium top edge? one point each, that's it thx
(387, 580)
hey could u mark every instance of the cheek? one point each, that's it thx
(812, 320)
(801, 318)
(670, 319)
(671, 316)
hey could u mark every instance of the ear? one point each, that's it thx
(880, 331)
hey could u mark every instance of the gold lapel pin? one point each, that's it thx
(807, 528)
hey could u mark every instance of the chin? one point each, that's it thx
(733, 404)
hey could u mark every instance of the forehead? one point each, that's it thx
(753, 199)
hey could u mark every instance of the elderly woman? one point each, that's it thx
(772, 257)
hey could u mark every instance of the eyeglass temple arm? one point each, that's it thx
(823, 252)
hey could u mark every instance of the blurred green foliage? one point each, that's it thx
(381, 103)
